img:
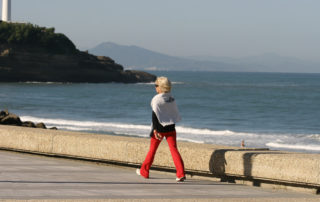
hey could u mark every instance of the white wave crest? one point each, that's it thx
(88, 124)
(93, 125)
(212, 132)
(73, 128)
(294, 146)
(314, 136)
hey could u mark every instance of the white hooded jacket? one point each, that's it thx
(165, 108)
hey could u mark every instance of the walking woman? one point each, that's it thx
(164, 116)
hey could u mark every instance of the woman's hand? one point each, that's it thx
(157, 135)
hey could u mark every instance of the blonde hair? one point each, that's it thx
(164, 84)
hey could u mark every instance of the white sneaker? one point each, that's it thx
(182, 179)
(138, 172)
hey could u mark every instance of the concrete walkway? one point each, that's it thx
(26, 176)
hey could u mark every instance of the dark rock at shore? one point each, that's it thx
(41, 125)
(11, 119)
(3, 114)
(28, 124)
(7, 118)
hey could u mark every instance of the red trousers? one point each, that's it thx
(178, 162)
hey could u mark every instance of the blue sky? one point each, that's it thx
(232, 28)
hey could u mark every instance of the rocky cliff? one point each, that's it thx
(54, 58)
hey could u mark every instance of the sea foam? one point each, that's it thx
(294, 147)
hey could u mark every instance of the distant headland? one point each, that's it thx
(32, 53)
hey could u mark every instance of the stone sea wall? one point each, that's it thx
(257, 166)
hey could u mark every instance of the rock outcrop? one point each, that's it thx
(21, 64)
(49, 57)
(7, 118)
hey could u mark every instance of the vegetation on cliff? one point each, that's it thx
(28, 34)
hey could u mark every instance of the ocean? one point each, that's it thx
(280, 111)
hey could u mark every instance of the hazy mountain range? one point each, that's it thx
(134, 57)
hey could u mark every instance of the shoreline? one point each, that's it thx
(116, 129)
(183, 132)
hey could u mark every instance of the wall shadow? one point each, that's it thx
(218, 163)
(248, 161)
